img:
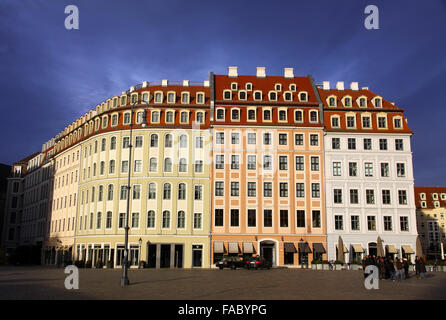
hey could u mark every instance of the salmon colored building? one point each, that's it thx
(267, 170)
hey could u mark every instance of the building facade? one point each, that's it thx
(431, 212)
(268, 169)
(369, 177)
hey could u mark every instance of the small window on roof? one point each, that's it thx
(234, 85)
(200, 98)
(422, 196)
(248, 86)
(347, 102)
(227, 95)
(278, 87)
(288, 96)
(378, 103)
(272, 96)
(258, 95)
(292, 87)
(362, 102)
(242, 95)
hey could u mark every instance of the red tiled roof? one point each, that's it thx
(429, 197)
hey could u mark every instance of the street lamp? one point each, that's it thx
(125, 279)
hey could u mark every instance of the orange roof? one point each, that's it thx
(429, 191)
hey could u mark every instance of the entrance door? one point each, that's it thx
(267, 251)
(373, 251)
(197, 254)
(151, 256)
(165, 256)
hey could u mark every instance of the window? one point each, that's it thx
(378, 102)
(332, 102)
(219, 161)
(367, 144)
(166, 219)
(347, 102)
(335, 143)
(316, 218)
(251, 162)
(168, 165)
(399, 144)
(315, 190)
(336, 169)
(219, 188)
(404, 223)
(251, 114)
(382, 122)
(300, 218)
(337, 195)
(371, 223)
(283, 189)
(138, 166)
(185, 97)
(168, 140)
(366, 122)
(402, 197)
(135, 220)
(300, 190)
(283, 163)
(234, 85)
(218, 217)
(125, 142)
(252, 217)
(314, 163)
(234, 217)
(384, 169)
(155, 116)
(355, 223)
(339, 222)
(370, 196)
(154, 140)
(368, 169)
(397, 123)
(184, 117)
(351, 144)
(288, 96)
(197, 220)
(267, 189)
(299, 139)
(124, 193)
(267, 138)
(242, 95)
(387, 223)
(169, 117)
(220, 114)
(227, 95)
(121, 219)
(267, 163)
(126, 118)
(314, 139)
(362, 102)
(235, 161)
(303, 96)
(235, 189)
(200, 117)
(267, 218)
(152, 191)
(235, 138)
(183, 141)
(354, 198)
(108, 221)
(350, 122)
(124, 166)
(352, 169)
(182, 166)
(299, 163)
(386, 196)
(220, 138)
(267, 115)
(335, 122)
(252, 189)
(167, 191)
(313, 116)
(258, 95)
(283, 218)
(103, 144)
(153, 164)
(298, 116)
(101, 168)
(382, 144)
(110, 192)
(151, 219)
(400, 170)
(272, 96)
(198, 192)
(283, 139)
(182, 191)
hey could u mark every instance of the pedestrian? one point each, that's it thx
(382, 268)
(391, 268)
(364, 266)
(422, 268)
(417, 267)
(406, 268)
(398, 269)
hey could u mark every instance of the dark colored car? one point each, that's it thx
(258, 263)
(231, 262)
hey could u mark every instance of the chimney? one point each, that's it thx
(354, 86)
(232, 72)
(365, 88)
(145, 84)
(288, 72)
(340, 85)
(185, 83)
(326, 85)
(261, 72)
(164, 83)
(206, 83)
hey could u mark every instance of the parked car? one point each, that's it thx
(258, 263)
(231, 262)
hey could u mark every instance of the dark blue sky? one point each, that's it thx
(49, 76)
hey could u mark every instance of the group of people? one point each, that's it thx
(394, 269)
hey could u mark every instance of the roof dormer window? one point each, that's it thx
(185, 97)
(248, 86)
(422, 196)
(158, 97)
(292, 87)
(362, 102)
(234, 86)
(303, 96)
(272, 96)
(378, 102)
(258, 95)
(288, 96)
(227, 95)
(278, 87)
(200, 98)
(435, 196)
(332, 102)
(347, 102)
(242, 95)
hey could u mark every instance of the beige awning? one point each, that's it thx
(247, 247)
(357, 248)
(391, 248)
(407, 249)
(219, 247)
(233, 247)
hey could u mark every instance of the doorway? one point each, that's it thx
(197, 254)
(151, 256)
(165, 256)
(373, 249)
(178, 256)
(267, 251)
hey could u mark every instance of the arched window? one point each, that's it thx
(227, 95)
(266, 114)
(153, 164)
(169, 117)
(298, 116)
(251, 114)
(168, 141)
(220, 114)
(313, 116)
(151, 219)
(103, 144)
(166, 219)
(288, 96)
(171, 97)
(332, 102)
(347, 102)
(303, 96)
(182, 191)
(235, 114)
(257, 95)
(166, 191)
(111, 168)
(183, 141)
(155, 116)
(184, 117)
(242, 95)
(200, 117)
(181, 220)
(272, 96)
(154, 140)
(362, 102)
(145, 97)
(168, 165)
(182, 165)
(110, 192)
(282, 115)
(152, 191)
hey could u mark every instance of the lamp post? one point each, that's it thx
(125, 279)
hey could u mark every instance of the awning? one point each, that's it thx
(318, 248)
(391, 248)
(233, 247)
(357, 248)
(304, 247)
(219, 247)
(407, 249)
(289, 247)
(345, 248)
(247, 247)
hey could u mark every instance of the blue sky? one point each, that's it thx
(49, 76)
